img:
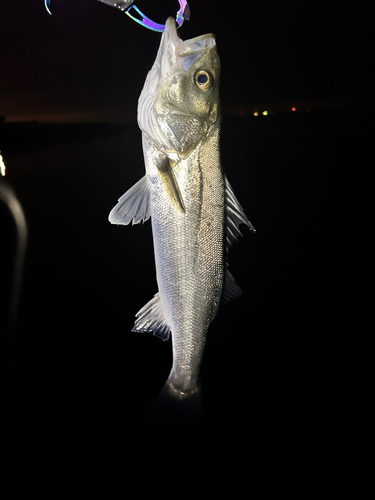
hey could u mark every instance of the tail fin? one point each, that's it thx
(174, 411)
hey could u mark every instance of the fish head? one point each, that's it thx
(179, 102)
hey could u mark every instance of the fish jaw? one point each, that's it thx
(172, 110)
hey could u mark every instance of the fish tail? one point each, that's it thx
(174, 409)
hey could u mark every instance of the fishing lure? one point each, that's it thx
(137, 16)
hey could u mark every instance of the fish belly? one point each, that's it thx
(189, 255)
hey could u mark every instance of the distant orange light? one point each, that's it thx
(256, 113)
(294, 108)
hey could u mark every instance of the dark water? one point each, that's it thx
(288, 374)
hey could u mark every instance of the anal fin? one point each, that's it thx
(151, 318)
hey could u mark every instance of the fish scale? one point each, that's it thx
(190, 278)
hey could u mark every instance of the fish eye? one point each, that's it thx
(203, 79)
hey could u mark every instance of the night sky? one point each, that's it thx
(88, 62)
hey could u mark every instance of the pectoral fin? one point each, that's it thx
(170, 185)
(134, 205)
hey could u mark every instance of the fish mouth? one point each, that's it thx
(174, 55)
(171, 31)
(191, 46)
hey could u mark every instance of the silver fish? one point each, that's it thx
(194, 213)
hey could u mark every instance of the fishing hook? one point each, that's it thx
(126, 5)
(47, 4)
(182, 15)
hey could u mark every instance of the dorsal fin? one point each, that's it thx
(134, 205)
(235, 215)
(231, 289)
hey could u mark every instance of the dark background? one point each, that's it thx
(288, 375)
(88, 62)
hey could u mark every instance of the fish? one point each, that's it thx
(194, 212)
